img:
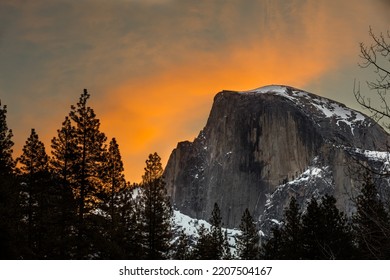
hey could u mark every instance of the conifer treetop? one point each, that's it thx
(153, 169)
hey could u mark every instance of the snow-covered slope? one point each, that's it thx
(191, 226)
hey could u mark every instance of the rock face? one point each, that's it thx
(260, 147)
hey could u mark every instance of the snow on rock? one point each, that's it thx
(307, 101)
(268, 89)
(380, 158)
(279, 223)
(308, 184)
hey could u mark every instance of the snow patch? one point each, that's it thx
(279, 223)
(325, 107)
(267, 89)
(190, 227)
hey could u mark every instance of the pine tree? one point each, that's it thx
(273, 248)
(87, 166)
(7, 164)
(182, 249)
(371, 224)
(91, 152)
(322, 232)
(325, 231)
(226, 251)
(291, 232)
(286, 241)
(216, 234)
(115, 177)
(212, 244)
(156, 212)
(112, 204)
(124, 236)
(34, 159)
(338, 231)
(64, 154)
(10, 238)
(202, 247)
(248, 240)
(34, 167)
(62, 167)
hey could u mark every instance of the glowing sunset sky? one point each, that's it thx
(152, 67)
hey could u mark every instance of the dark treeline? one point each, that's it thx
(323, 232)
(76, 204)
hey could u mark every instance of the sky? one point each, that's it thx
(153, 67)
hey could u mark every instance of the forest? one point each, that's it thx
(76, 204)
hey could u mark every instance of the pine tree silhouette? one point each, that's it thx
(248, 241)
(79, 156)
(325, 231)
(10, 237)
(156, 212)
(36, 190)
(62, 168)
(7, 164)
(182, 248)
(292, 232)
(371, 224)
(114, 177)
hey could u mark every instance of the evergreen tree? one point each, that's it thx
(34, 167)
(156, 211)
(322, 232)
(226, 251)
(62, 167)
(273, 248)
(248, 241)
(212, 244)
(124, 236)
(286, 241)
(129, 224)
(115, 177)
(202, 247)
(90, 151)
(7, 164)
(10, 239)
(182, 249)
(34, 159)
(111, 203)
(371, 224)
(325, 231)
(88, 166)
(64, 154)
(216, 234)
(291, 232)
(61, 222)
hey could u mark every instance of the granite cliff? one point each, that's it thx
(262, 146)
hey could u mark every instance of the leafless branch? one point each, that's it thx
(377, 56)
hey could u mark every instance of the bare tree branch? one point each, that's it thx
(377, 56)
